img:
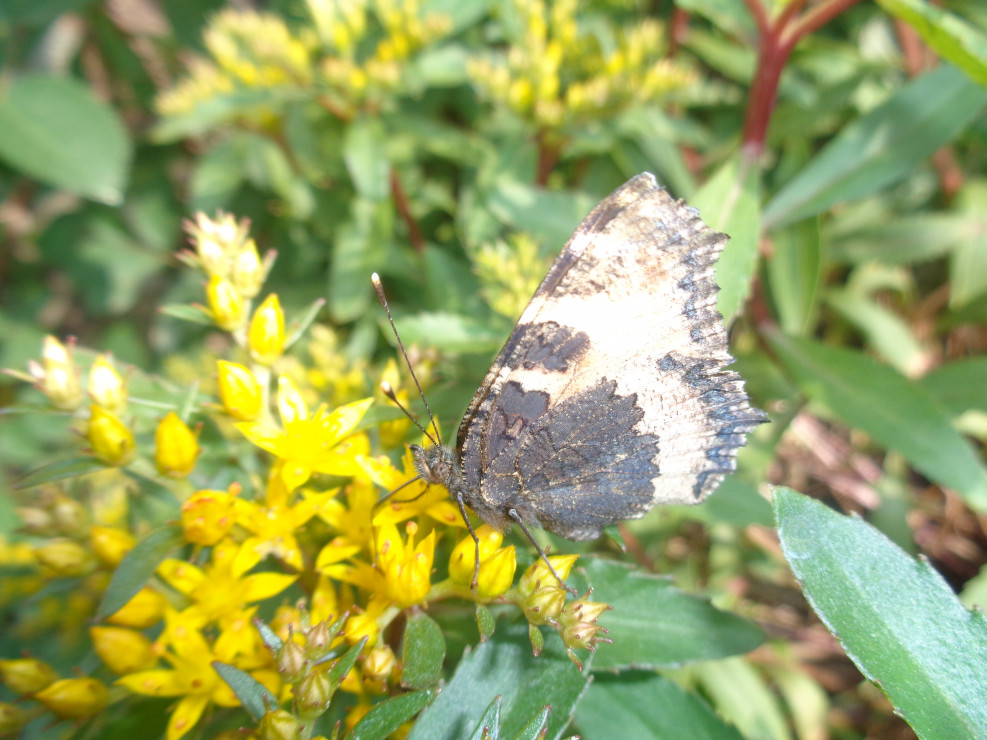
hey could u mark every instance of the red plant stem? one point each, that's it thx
(778, 39)
(401, 203)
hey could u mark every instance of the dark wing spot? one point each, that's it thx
(554, 348)
(513, 412)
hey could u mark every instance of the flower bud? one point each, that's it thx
(70, 517)
(58, 375)
(239, 391)
(543, 595)
(110, 545)
(378, 667)
(123, 650)
(106, 387)
(74, 698)
(175, 447)
(497, 566)
(313, 693)
(225, 304)
(248, 271)
(26, 675)
(65, 557)
(146, 608)
(265, 337)
(578, 628)
(110, 439)
(207, 516)
(359, 626)
(12, 719)
(292, 661)
(278, 724)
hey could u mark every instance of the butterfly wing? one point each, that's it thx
(611, 394)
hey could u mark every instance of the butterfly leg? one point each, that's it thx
(512, 513)
(476, 540)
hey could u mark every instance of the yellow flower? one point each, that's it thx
(74, 698)
(248, 271)
(57, 375)
(497, 564)
(65, 558)
(226, 306)
(222, 586)
(239, 390)
(542, 595)
(123, 650)
(265, 337)
(110, 439)
(191, 676)
(106, 387)
(176, 447)
(207, 516)
(321, 442)
(407, 568)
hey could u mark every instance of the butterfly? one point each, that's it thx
(611, 395)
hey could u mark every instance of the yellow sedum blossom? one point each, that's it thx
(109, 438)
(176, 448)
(106, 387)
(75, 698)
(265, 335)
(239, 391)
(497, 564)
(407, 567)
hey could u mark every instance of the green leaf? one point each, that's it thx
(895, 239)
(342, 666)
(389, 715)
(538, 724)
(645, 706)
(948, 35)
(422, 650)
(549, 216)
(882, 146)
(449, 332)
(959, 386)
(896, 617)
(297, 328)
(485, 622)
(184, 312)
(728, 202)
(504, 666)
(889, 334)
(55, 130)
(893, 410)
(488, 728)
(794, 275)
(968, 263)
(365, 154)
(137, 567)
(256, 699)
(71, 467)
(654, 624)
(358, 250)
(742, 697)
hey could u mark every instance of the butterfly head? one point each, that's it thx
(435, 464)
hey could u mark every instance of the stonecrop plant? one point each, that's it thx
(303, 533)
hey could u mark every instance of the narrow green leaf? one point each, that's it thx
(192, 314)
(268, 636)
(896, 617)
(728, 202)
(947, 34)
(742, 697)
(485, 622)
(342, 666)
(298, 327)
(893, 239)
(794, 275)
(968, 263)
(504, 666)
(71, 467)
(365, 154)
(882, 146)
(55, 130)
(256, 699)
(896, 412)
(959, 386)
(488, 728)
(137, 567)
(389, 715)
(646, 706)
(538, 723)
(654, 624)
(889, 334)
(422, 650)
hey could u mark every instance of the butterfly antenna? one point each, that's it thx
(386, 389)
(437, 439)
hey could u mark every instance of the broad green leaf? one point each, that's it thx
(358, 250)
(959, 386)
(389, 715)
(55, 130)
(450, 332)
(947, 34)
(137, 567)
(488, 728)
(646, 706)
(794, 275)
(422, 651)
(886, 332)
(895, 616)
(881, 147)
(968, 263)
(728, 202)
(504, 666)
(654, 624)
(71, 467)
(896, 412)
(900, 240)
(742, 697)
(549, 216)
(365, 154)
(256, 699)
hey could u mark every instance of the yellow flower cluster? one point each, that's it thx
(557, 73)
(312, 523)
(328, 60)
